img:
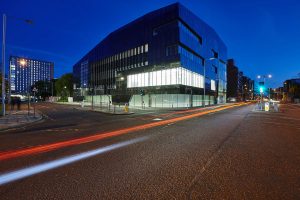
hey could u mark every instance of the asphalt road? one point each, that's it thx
(232, 154)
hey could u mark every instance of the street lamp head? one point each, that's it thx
(212, 58)
(258, 76)
(23, 62)
(269, 76)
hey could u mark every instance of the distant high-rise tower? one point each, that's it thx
(26, 71)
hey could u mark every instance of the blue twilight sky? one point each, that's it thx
(263, 36)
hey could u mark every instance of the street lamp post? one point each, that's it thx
(93, 97)
(3, 61)
(261, 92)
(23, 63)
(3, 65)
(264, 78)
(34, 101)
(52, 88)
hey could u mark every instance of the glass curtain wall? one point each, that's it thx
(174, 76)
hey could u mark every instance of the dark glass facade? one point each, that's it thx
(162, 52)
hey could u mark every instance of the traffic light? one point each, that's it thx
(261, 87)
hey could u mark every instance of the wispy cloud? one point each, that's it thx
(39, 51)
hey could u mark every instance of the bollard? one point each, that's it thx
(126, 108)
(276, 107)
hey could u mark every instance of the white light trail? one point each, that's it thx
(29, 171)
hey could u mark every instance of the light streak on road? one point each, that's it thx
(99, 136)
(36, 169)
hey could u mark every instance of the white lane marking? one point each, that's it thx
(157, 119)
(36, 169)
(61, 130)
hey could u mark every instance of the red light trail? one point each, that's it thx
(99, 136)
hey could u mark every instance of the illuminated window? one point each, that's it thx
(158, 77)
(174, 76)
(212, 85)
(146, 48)
(168, 77)
(151, 79)
(154, 74)
(139, 81)
(163, 77)
(146, 83)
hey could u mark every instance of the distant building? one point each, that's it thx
(232, 80)
(26, 71)
(277, 93)
(247, 88)
(239, 87)
(158, 60)
(291, 90)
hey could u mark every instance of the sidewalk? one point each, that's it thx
(115, 110)
(120, 110)
(18, 119)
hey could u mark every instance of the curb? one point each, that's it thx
(110, 113)
(166, 109)
(23, 124)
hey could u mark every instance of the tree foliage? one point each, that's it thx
(64, 85)
(6, 84)
(44, 88)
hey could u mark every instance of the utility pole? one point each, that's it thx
(204, 80)
(3, 62)
(93, 97)
(3, 65)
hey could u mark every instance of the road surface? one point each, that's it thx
(235, 153)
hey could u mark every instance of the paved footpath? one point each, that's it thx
(18, 118)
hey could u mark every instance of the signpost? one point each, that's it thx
(34, 90)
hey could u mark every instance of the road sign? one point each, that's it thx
(34, 90)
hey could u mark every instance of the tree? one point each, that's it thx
(64, 86)
(43, 88)
(6, 84)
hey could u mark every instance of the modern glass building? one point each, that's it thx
(24, 72)
(166, 58)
